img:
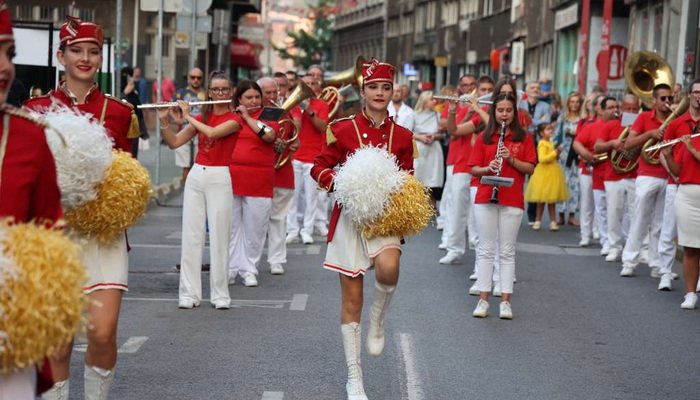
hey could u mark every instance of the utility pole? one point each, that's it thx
(116, 91)
(193, 35)
(159, 82)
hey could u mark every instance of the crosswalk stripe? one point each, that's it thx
(273, 396)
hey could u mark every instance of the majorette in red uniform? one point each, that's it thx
(349, 253)
(500, 223)
(311, 138)
(684, 162)
(619, 188)
(28, 189)
(650, 188)
(80, 52)
(252, 170)
(284, 181)
(208, 193)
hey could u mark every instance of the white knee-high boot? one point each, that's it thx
(352, 342)
(97, 383)
(59, 391)
(375, 335)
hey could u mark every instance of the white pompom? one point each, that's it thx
(82, 162)
(364, 184)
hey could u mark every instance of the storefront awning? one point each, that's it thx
(244, 54)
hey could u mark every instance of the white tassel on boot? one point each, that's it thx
(59, 391)
(375, 335)
(352, 342)
(97, 382)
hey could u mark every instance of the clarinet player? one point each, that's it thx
(508, 153)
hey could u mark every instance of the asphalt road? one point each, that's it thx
(579, 332)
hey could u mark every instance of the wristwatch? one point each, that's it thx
(312, 114)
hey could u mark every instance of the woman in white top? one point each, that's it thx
(429, 164)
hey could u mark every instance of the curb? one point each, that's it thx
(163, 192)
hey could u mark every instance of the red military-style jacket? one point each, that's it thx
(346, 135)
(117, 116)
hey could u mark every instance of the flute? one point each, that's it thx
(174, 104)
(499, 158)
(669, 143)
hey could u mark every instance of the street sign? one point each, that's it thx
(252, 32)
(171, 6)
(183, 41)
(517, 58)
(201, 6)
(204, 23)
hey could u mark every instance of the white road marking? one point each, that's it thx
(313, 249)
(131, 346)
(413, 384)
(273, 396)
(299, 302)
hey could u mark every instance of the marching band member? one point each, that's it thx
(500, 223)
(461, 215)
(685, 124)
(80, 52)
(284, 186)
(28, 188)
(684, 162)
(208, 194)
(650, 187)
(311, 134)
(349, 253)
(586, 207)
(253, 176)
(593, 175)
(619, 188)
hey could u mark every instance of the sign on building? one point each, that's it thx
(517, 58)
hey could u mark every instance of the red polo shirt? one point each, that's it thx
(690, 166)
(681, 126)
(310, 138)
(587, 138)
(216, 152)
(646, 122)
(612, 130)
(252, 163)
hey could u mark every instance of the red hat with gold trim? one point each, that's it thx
(377, 71)
(5, 23)
(75, 30)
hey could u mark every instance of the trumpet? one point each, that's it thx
(669, 143)
(174, 104)
(464, 99)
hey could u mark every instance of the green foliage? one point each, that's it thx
(312, 47)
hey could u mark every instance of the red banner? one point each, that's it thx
(604, 72)
(582, 61)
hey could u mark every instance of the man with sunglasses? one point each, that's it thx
(650, 187)
(185, 155)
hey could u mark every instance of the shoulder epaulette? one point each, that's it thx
(330, 137)
(18, 112)
(335, 121)
(120, 101)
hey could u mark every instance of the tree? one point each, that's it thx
(312, 47)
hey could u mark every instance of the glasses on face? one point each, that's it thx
(665, 98)
(195, 77)
(222, 90)
(695, 93)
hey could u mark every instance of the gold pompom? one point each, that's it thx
(408, 213)
(122, 198)
(42, 305)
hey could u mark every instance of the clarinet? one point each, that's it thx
(499, 158)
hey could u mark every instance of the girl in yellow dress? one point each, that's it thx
(547, 184)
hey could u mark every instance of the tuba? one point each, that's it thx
(643, 71)
(288, 132)
(330, 93)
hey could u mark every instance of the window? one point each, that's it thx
(46, 14)
(406, 24)
(167, 43)
(420, 20)
(449, 13)
(431, 14)
(488, 7)
(394, 27)
(468, 9)
(24, 11)
(150, 44)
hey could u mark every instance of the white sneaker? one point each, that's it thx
(515, 280)
(585, 242)
(474, 290)
(506, 311)
(442, 246)
(222, 304)
(697, 289)
(666, 282)
(644, 256)
(232, 279)
(690, 300)
(322, 230)
(451, 258)
(186, 304)
(440, 226)
(292, 238)
(596, 235)
(276, 269)
(482, 309)
(306, 238)
(497, 289)
(605, 251)
(250, 280)
(472, 245)
(654, 272)
(613, 255)
(473, 277)
(627, 271)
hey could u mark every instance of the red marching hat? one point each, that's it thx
(75, 30)
(5, 23)
(377, 71)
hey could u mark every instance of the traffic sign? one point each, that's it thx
(183, 40)
(171, 6)
(201, 6)
(203, 24)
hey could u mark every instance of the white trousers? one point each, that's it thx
(277, 230)
(620, 197)
(648, 214)
(446, 202)
(303, 182)
(322, 211)
(496, 262)
(586, 205)
(459, 215)
(249, 221)
(207, 194)
(601, 216)
(18, 385)
(497, 224)
(667, 242)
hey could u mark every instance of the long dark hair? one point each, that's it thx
(492, 127)
(505, 80)
(213, 75)
(242, 87)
